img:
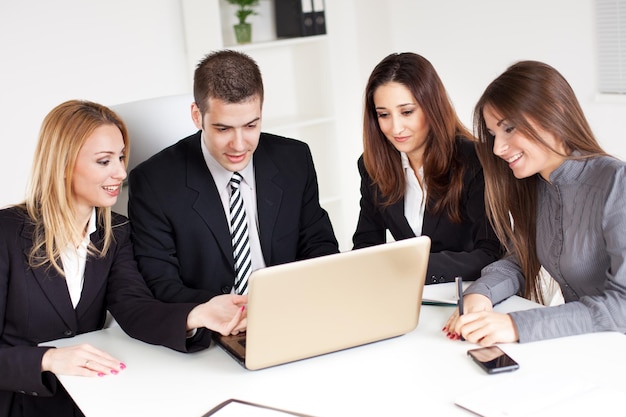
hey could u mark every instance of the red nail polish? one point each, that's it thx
(100, 374)
(122, 365)
(114, 372)
(243, 307)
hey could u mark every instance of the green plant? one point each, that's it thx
(245, 8)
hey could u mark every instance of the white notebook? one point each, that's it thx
(543, 394)
(444, 293)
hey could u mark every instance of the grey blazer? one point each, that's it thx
(581, 242)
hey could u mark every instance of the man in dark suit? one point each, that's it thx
(179, 199)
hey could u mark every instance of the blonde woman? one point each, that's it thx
(65, 260)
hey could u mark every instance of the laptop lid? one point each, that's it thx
(321, 305)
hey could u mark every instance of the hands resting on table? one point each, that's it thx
(480, 324)
(225, 314)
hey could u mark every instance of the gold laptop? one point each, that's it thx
(321, 305)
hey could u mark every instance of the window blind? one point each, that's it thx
(611, 38)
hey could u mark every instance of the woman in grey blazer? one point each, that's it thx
(559, 201)
(419, 171)
(65, 260)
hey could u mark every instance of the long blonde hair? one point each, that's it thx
(49, 198)
(527, 91)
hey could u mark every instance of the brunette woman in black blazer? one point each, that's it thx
(65, 260)
(419, 171)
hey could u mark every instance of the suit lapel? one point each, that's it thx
(396, 212)
(208, 204)
(94, 278)
(430, 223)
(52, 285)
(268, 195)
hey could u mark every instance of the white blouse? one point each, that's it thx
(415, 197)
(74, 262)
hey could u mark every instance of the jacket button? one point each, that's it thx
(433, 279)
(68, 333)
(226, 289)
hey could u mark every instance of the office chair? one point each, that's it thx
(153, 124)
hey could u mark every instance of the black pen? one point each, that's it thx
(459, 293)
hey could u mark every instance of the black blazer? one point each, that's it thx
(35, 307)
(456, 248)
(180, 231)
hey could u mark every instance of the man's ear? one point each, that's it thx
(196, 115)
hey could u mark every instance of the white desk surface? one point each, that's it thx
(420, 373)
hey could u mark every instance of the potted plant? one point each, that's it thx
(243, 29)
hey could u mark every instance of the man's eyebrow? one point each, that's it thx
(256, 119)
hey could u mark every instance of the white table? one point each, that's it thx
(420, 373)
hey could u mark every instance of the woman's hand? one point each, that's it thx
(471, 303)
(480, 324)
(224, 314)
(487, 328)
(81, 360)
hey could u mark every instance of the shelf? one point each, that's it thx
(277, 43)
(298, 83)
(294, 122)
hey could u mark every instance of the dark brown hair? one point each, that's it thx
(227, 75)
(443, 173)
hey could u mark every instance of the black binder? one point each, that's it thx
(319, 17)
(294, 18)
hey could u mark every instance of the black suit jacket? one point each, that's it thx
(456, 248)
(180, 231)
(35, 307)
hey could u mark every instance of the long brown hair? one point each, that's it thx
(49, 200)
(443, 173)
(528, 91)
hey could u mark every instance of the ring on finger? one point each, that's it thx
(86, 363)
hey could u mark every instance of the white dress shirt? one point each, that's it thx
(74, 259)
(222, 177)
(415, 196)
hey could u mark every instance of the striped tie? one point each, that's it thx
(239, 232)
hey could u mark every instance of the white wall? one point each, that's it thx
(116, 51)
(472, 42)
(109, 51)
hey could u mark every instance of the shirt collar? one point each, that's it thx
(569, 171)
(405, 161)
(406, 165)
(91, 226)
(222, 176)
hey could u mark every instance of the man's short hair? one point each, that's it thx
(226, 75)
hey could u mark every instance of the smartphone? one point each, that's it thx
(493, 360)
